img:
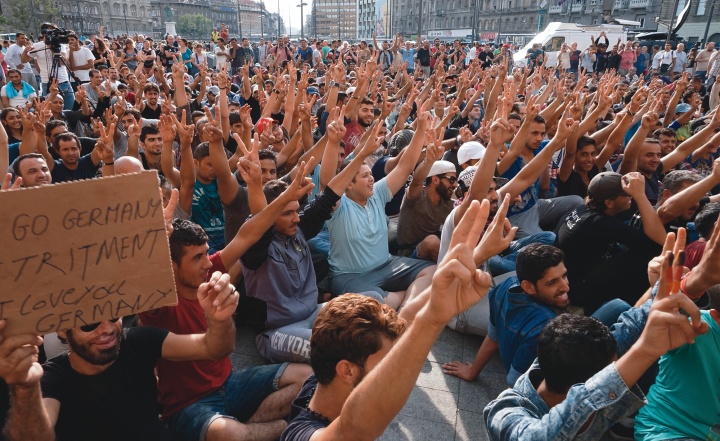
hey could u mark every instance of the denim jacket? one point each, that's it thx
(520, 414)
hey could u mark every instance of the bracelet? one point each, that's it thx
(457, 140)
(222, 88)
(682, 289)
(276, 91)
(631, 114)
(109, 163)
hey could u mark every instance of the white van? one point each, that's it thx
(557, 33)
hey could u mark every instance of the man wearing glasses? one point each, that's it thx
(424, 208)
(96, 391)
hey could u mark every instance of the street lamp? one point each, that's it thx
(239, 20)
(497, 39)
(302, 21)
(127, 32)
(278, 20)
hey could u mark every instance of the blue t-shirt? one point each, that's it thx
(305, 55)
(207, 211)
(408, 55)
(359, 235)
(530, 196)
(85, 170)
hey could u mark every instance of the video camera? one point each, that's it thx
(55, 38)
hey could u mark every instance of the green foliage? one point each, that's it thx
(27, 15)
(193, 25)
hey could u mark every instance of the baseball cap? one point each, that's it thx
(606, 185)
(465, 178)
(214, 90)
(264, 123)
(470, 150)
(350, 90)
(441, 167)
(682, 108)
(312, 90)
(254, 88)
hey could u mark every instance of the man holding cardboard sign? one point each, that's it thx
(97, 391)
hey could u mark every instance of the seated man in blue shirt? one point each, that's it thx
(576, 387)
(520, 307)
(359, 257)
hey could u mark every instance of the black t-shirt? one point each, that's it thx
(4, 405)
(117, 404)
(588, 238)
(486, 58)
(575, 184)
(149, 113)
(423, 56)
(303, 424)
(168, 61)
(85, 170)
(653, 185)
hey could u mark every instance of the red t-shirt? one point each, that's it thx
(181, 383)
(694, 252)
(354, 131)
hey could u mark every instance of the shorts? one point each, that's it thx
(238, 399)
(394, 275)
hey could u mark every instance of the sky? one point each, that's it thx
(288, 6)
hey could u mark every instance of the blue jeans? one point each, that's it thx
(67, 93)
(238, 399)
(505, 262)
(609, 313)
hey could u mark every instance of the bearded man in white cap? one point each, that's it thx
(427, 202)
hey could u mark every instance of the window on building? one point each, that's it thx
(701, 7)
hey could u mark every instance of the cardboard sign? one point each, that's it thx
(77, 253)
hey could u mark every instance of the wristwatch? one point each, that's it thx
(334, 84)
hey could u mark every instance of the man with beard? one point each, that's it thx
(532, 214)
(150, 108)
(644, 154)
(424, 209)
(357, 119)
(97, 391)
(520, 307)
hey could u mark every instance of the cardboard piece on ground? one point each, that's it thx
(81, 252)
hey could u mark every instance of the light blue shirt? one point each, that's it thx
(359, 235)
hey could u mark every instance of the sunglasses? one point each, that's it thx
(452, 179)
(94, 326)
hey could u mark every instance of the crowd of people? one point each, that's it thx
(349, 201)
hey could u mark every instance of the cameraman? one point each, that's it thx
(44, 57)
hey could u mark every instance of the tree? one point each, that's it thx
(193, 25)
(27, 15)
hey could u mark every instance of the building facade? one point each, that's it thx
(118, 17)
(375, 16)
(465, 19)
(699, 21)
(337, 19)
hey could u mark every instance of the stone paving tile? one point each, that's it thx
(470, 426)
(407, 428)
(432, 405)
(432, 377)
(475, 396)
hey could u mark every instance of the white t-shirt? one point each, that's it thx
(12, 58)
(81, 57)
(45, 59)
(317, 57)
(18, 100)
(220, 57)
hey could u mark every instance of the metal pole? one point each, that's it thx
(239, 20)
(707, 26)
(420, 23)
(497, 39)
(125, 16)
(302, 19)
(672, 19)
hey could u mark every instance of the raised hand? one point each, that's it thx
(458, 284)
(301, 185)
(8, 184)
(185, 131)
(18, 358)
(167, 129)
(218, 297)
